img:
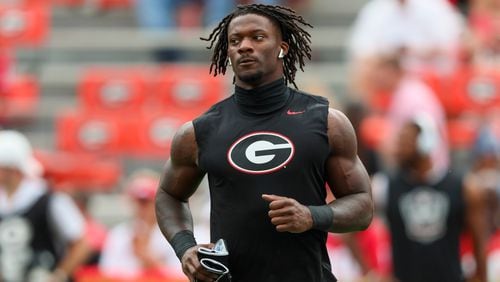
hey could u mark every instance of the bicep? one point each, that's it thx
(346, 173)
(182, 174)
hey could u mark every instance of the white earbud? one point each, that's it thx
(229, 62)
(281, 55)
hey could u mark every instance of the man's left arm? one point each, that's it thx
(352, 209)
(347, 177)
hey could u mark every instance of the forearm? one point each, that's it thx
(475, 212)
(480, 257)
(352, 212)
(78, 252)
(479, 239)
(172, 214)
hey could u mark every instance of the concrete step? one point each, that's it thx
(122, 38)
(70, 17)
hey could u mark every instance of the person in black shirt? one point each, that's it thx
(428, 210)
(42, 232)
(269, 152)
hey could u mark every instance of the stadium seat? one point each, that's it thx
(80, 131)
(92, 274)
(462, 132)
(188, 87)
(113, 4)
(113, 90)
(482, 91)
(380, 101)
(467, 90)
(24, 25)
(374, 130)
(69, 3)
(442, 86)
(73, 171)
(155, 131)
(20, 98)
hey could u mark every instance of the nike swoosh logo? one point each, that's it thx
(291, 113)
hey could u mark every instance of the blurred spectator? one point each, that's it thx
(137, 246)
(400, 96)
(484, 24)
(41, 232)
(216, 10)
(427, 212)
(428, 33)
(484, 176)
(485, 172)
(368, 256)
(163, 15)
(95, 231)
(367, 248)
(462, 5)
(166, 14)
(357, 112)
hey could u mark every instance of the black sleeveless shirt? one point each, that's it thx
(425, 222)
(271, 140)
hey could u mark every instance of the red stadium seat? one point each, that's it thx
(71, 3)
(462, 132)
(482, 91)
(373, 130)
(467, 90)
(92, 274)
(188, 87)
(380, 101)
(154, 132)
(20, 98)
(105, 90)
(23, 25)
(79, 170)
(113, 4)
(443, 88)
(80, 131)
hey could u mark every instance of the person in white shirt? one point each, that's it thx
(137, 247)
(41, 231)
(420, 26)
(428, 33)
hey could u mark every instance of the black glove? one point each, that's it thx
(215, 260)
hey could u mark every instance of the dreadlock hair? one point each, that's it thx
(291, 31)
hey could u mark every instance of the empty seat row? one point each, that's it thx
(135, 111)
(105, 89)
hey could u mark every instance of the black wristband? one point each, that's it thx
(182, 241)
(322, 217)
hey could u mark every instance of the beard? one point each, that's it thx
(252, 77)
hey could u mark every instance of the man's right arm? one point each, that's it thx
(179, 181)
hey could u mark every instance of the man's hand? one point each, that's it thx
(192, 268)
(288, 215)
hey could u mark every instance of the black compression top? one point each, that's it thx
(270, 140)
